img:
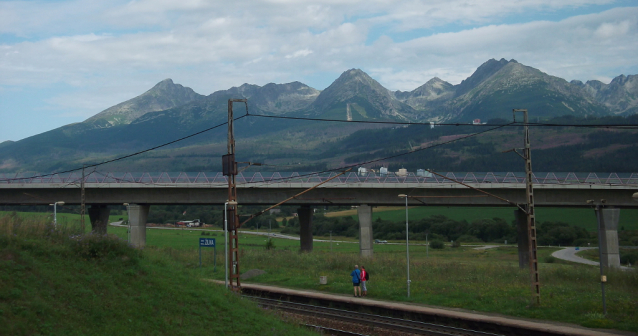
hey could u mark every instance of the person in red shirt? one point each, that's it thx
(364, 280)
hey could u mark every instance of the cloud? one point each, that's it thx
(119, 49)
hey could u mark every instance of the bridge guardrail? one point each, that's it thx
(352, 177)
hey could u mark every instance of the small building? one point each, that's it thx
(383, 171)
(363, 171)
(402, 172)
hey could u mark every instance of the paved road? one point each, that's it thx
(569, 254)
(274, 235)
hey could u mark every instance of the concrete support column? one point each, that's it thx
(365, 230)
(608, 231)
(523, 241)
(99, 216)
(137, 214)
(305, 232)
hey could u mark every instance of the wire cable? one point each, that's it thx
(513, 124)
(125, 156)
(387, 157)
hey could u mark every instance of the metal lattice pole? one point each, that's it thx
(230, 169)
(531, 214)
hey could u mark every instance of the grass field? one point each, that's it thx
(481, 280)
(584, 218)
(51, 284)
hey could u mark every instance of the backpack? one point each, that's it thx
(367, 276)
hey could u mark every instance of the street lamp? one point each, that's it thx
(407, 242)
(55, 212)
(234, 203)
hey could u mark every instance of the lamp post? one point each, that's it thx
(407, 242)
(55, 212)
(226, 239)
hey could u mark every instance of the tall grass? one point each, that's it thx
(54, 281)
(488, 281)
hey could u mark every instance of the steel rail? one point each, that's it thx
(409, 326)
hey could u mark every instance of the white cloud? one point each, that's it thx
(210, 45)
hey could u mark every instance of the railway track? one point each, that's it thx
(376, 321)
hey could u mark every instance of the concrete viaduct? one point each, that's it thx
(364, 193)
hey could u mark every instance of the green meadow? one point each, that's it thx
(54, 281)
(487, 281)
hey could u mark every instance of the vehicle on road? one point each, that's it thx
(193, 223)
(378, 241)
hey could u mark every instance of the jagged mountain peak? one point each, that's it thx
(482, 73)
(164, 95)
(356, 93)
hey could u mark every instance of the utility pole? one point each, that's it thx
(529, 209)
(230, 169)
(82, 202)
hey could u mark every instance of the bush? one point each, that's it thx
(629, 257)
(270, 244)
(97, 246)
(550, 260)
(437, 244)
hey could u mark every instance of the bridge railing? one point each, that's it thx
(175, 178)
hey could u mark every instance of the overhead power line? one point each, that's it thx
(125, 156)
(513, 124)
(384, 158)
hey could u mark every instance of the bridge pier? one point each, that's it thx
(305, 228)
(137, 214)
(523, 242)
(365, 230)
(99, 216)
(608, 232)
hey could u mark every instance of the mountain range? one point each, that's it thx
(169, 111)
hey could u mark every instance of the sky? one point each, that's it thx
(64, 61)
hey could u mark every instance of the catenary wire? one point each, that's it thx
(513, 124)
(387, 157)
(125, 156)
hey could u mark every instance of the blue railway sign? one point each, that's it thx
(207, 242)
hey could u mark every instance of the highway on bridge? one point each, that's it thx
(552, 189)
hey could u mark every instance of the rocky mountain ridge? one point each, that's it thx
(162, 96)
(169, 111)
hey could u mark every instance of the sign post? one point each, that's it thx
(208, 242)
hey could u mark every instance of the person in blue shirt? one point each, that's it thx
(356, 280)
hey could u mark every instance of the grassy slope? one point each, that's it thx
(49, 288)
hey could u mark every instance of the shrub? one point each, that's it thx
(98, 247)
(270, 244)
(629, 257)
(550, 260)
(437, 244)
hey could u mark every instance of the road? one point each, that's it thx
(569, 254)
